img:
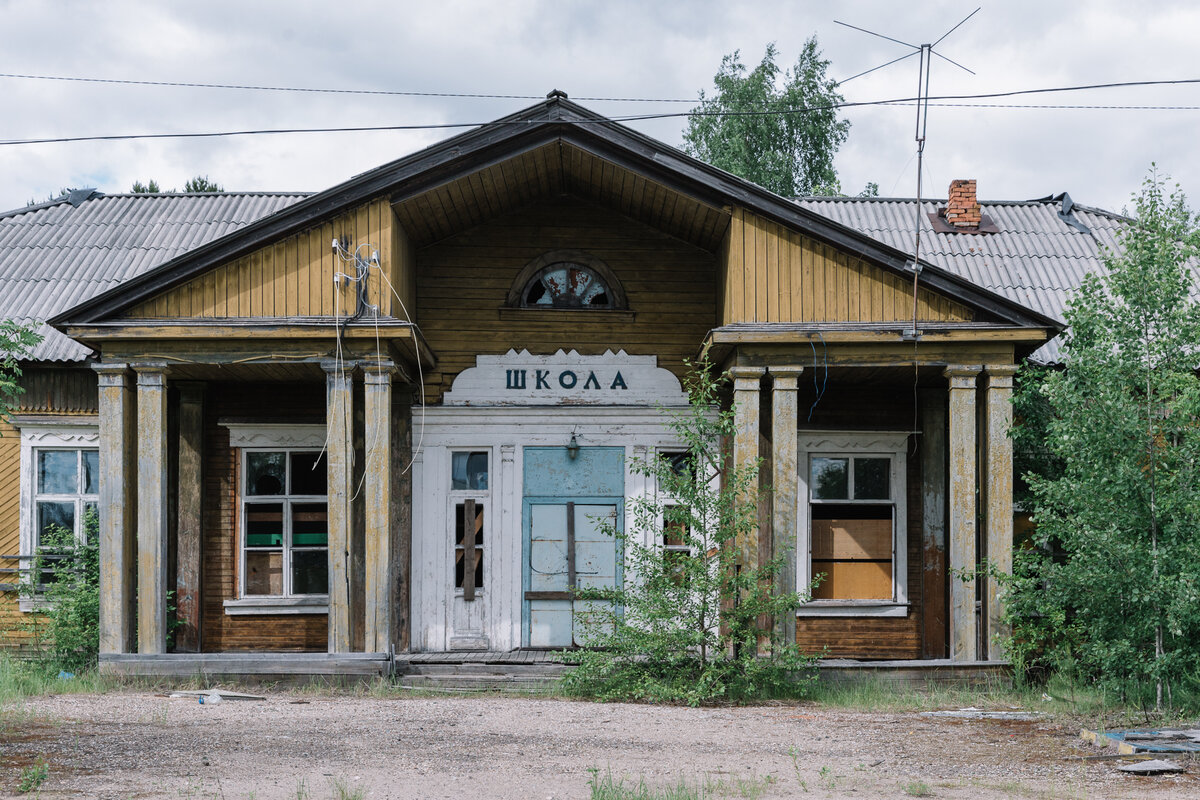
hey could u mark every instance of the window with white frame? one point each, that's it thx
(60, 488)
(283, 519)
(853, 522)
(676, 531)
(469, 495)
(285, 524)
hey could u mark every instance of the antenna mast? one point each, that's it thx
(926, 54)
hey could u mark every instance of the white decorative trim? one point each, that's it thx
(565, 378)
(893, 444)
(274, 435)
(70, 434)
(277, 605)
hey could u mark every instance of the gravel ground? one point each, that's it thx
(300, 745)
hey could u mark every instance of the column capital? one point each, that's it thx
(962, 376)
(1000, 376)
(378, 373)
(333, 366)
(151, 374)
(785, 378)
(746, 378)
(112, 374)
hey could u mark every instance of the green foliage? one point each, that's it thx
(201, 183)
(687, 623)
(917, 789)
(16, 342)
(66, 579)
(32, 777)
(606, 787)
(1111, 589)
(780, 134)
(150, 187)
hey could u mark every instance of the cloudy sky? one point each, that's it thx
(614, 48)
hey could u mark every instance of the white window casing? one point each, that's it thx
(892, 445)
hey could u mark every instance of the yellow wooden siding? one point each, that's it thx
(774, 274)
(295, 276)
(463, 282)
(11, 618)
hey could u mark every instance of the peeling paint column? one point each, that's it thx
(339, 420)
(118, 501)
(746, 383)
(999, 499)
(380, 549)
(962, 511)
(152, 508)
(785, 483)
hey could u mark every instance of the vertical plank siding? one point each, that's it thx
(773, 274)
(221, 632)
(462, 283)
(295, 276)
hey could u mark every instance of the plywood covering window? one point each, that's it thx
(469, 492)
(285, 525)
(852, 529)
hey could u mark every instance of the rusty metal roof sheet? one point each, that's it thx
(1037, 258)
(57, 254)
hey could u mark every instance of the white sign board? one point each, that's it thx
(524, 379)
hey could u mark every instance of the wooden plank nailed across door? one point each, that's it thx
(471, 527)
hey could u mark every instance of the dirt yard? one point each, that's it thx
(300, 745)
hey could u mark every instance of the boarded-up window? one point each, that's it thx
(285, 524)
(469, 493)
(852, 526)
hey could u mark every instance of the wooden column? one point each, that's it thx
(933, 515)
(785, 483)
(189, 510)
(746, 383)
(381, 545)
(339, 417)
(152, 508)
(999, 499)
(117, 504)
(963, 629)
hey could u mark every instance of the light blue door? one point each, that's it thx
(570, 506)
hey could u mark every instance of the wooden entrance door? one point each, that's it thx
(568, 543)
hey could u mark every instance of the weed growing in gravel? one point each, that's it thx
(343, 791)
(32, 777)
(917, 789)
(607, 787)
(302, 790)
(828, 779)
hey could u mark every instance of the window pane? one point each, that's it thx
(469, 471)
(91, 523)
(872, 478)
(56, 523)
(264, 572)
(829, 478)
(461, 526)
(310, 525)
(309, 473)
(310, 572)
(91, 471)
(58, 471)
(264, 524)
(265, 473)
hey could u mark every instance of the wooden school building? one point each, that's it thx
(384, 418)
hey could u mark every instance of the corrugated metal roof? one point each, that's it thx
(56, 255)
(1036, 258)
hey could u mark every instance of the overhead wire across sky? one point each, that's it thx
(945, 101)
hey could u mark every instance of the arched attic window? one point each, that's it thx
(567, 279)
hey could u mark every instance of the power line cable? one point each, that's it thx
(647, 117)
(316, 90)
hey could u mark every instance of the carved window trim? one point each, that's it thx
(70, 436)
(544, 263)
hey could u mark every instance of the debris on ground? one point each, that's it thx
(220, 693)
(1155, 767)
(1165, 740)
(978, 713)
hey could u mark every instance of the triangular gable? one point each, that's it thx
(554, 122)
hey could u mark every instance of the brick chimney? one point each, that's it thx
(962, 210)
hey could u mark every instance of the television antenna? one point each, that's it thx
(926, 53)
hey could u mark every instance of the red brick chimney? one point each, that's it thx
(962, 211)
